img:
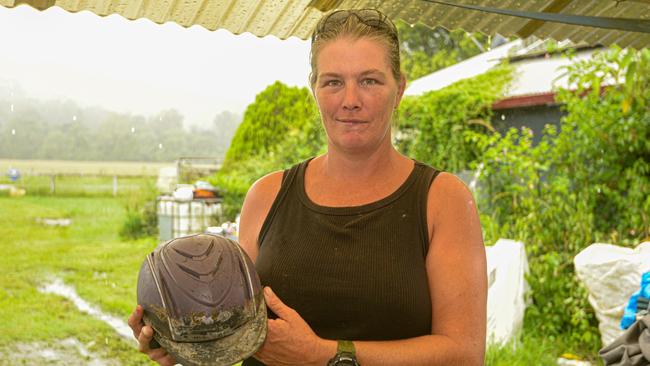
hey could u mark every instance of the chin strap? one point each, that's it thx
(625, 24)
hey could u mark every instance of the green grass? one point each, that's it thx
(87, 255)
(534, 349)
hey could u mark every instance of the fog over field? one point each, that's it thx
(139, 67)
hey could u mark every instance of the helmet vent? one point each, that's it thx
(205, 276)
(195, 256)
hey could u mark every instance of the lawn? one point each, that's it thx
(87, 255)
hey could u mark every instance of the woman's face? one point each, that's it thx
(356, 93)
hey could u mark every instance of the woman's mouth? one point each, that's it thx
(350, 120)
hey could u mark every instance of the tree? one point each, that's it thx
(280, 128)
(276, 111)
(425, 50)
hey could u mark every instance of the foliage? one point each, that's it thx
(276, 112)
(612, 127)
(586, 183)
(280, 129)
(441, 127)
(425, 50)
(141, 219)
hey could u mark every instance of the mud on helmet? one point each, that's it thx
(203, 298)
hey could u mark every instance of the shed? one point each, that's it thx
(530, 99)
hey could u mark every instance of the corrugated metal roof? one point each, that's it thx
(462, 70)
(532, 76)
(535, 81)
(286, 18)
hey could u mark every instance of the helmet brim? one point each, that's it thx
(226, 351)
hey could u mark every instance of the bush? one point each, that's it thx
(280, 128)
(141, 219)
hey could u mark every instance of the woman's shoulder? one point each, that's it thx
(450, 186)
(257, 204)
(449, 194)
(267, 187)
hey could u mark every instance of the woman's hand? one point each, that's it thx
(290, 340)
(144, 335)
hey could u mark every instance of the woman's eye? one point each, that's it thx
(368, 82)
(332, 83)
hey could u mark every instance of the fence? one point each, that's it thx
(82, 184)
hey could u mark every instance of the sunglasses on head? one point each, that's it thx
(370, 17)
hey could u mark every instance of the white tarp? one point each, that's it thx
(506, 266)
(611, 274)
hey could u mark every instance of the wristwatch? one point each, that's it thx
(345, 355)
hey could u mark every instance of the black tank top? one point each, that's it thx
(354, 273)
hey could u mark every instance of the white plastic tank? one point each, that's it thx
(181, 217)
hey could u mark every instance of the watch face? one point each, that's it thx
(345, 363)
(345, 360)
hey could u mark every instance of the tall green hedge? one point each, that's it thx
(280, 128)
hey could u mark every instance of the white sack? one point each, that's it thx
(611, 275)
(506, 267)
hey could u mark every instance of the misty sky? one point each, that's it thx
(139, 66)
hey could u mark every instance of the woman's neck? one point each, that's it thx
(362, 166)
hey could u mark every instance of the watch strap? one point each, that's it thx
(345, 346)
(345, 354)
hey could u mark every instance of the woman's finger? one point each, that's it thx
(135, 321)
(161, 356)
(146, 334)
(276, 305)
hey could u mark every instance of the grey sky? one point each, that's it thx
(142, 67)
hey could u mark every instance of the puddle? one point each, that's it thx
(57, 287)
(53, 222)
(69, 351)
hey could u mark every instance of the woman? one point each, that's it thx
(369, 257)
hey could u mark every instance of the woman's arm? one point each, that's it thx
(456, 270)
(256, 207)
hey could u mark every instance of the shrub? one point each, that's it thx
(141, 219)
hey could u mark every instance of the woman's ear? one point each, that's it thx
(401, 86)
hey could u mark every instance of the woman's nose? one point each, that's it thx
(351, 99)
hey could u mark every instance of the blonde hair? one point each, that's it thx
(356, 24)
